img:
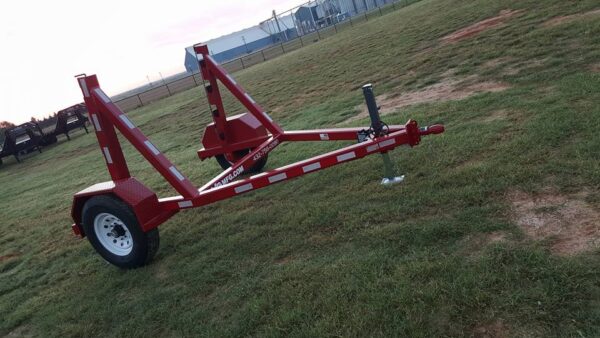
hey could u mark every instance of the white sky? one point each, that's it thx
(43, 44)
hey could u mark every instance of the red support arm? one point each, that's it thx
(107, 112)
(220, 73)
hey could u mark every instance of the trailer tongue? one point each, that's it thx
(120, 217)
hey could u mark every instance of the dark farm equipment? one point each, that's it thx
(70, 119)
(120, 217)
(22, 139)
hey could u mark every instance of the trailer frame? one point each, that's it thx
(152, 211)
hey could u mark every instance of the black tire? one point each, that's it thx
(257, 167)
(144, 244)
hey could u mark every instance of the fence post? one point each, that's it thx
(139, 99)
(335, 27)
(242, 61)
(301, 42)
(194, 78)
(318, 34)
(168, 90)
(262, 52)
(351, 24)
(283, 49)
(380, 13)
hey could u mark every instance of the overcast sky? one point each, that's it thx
(43, 44)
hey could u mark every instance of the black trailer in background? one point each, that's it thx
(30, 136)
(22, 139)
(70, 119)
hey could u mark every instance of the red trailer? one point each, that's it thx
(121, 217)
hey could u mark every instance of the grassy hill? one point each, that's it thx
(494, 233)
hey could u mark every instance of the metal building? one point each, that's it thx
(234, 45)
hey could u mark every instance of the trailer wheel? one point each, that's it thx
(113, 230)
(227, 160)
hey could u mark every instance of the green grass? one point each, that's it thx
(334, 253)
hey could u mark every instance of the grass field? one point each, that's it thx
(450, 252)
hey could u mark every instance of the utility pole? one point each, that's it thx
(245, 44)
(281, 37)
(355, 7)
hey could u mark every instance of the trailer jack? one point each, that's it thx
(121, 217)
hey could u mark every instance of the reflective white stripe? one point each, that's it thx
(231, 79)
(267, 116)
(387, 143)
(152, 148)
(243, 188)
(324, 137)
(185, 204)
(176, 173)
(311, 167)
(84, 87)
(211, 58)
(346, 157)
(250, 98)
(96, 122)
(372, 148)
(102, 95)
(277, 178)
(127, 121)
(107, 155)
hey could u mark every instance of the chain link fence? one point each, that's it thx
(292, 30)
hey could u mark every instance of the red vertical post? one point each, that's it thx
(105, 132)
(215, 71)
(214, 95)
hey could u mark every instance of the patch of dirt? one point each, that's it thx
(569, 18)
(570, 223)
(162, 272)
(474, 244)
(7, 257)
(284, 260)
(509, 66)
(324, 235)
(493, 63)
(497, 115)
(595, 68)
(446, 90)
(21, 331)
(469, 164)
(495, 329)
(479, 27)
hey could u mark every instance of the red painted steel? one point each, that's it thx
(338, 134)
(245, 132)
(254, 130)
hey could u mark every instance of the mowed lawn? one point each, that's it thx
(495, 231)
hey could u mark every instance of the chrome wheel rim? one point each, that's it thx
(113, 234)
